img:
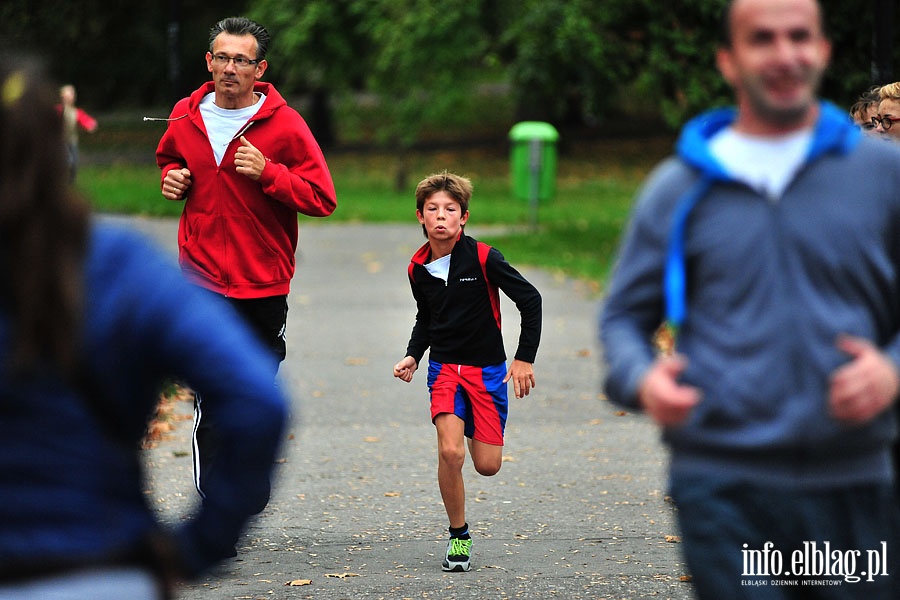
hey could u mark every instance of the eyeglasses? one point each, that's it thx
(885, 122)
(239, 61)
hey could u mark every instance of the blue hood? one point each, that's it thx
(834, 132)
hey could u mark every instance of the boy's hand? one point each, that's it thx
(405, 369)
(522, 376)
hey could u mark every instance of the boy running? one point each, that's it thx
(455, 279)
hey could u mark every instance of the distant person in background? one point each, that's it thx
(888, 111)
(245, 164)
(93, 320)
(74, 119)
(865, 108)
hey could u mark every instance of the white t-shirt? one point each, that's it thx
(440, 268)
(765, 163)
(223, 124)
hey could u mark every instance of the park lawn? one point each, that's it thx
(575, 233)
(126, 189)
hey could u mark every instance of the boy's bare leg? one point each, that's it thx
(487, 457)
(451, 456)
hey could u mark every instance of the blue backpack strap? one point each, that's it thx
(675, 274)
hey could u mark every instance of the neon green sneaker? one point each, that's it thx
(458, 553)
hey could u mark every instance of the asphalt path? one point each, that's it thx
(578, 511)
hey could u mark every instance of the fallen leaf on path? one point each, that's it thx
(341, 575)
(674, 539)
(299, 582)
(156, 429)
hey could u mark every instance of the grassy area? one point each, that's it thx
(576, 231)
(126, 189)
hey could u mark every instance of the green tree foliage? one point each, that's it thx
(850, 27)
(117, 53)
(318, 48)
(576, 63)
(566, 58)
(79, 39)
(420, 57)
(426, 62)
(676, 69)
(316, 43)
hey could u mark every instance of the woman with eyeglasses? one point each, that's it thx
(888, 111)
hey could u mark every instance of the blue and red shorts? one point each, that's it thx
(477, 395)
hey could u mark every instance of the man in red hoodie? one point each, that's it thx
(244, 163)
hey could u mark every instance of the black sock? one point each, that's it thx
(460, 532)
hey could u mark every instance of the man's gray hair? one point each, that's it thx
(242, 26)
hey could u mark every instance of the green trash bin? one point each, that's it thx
(533, 160)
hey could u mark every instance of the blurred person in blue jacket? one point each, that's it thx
(770, 245)
(93, 320)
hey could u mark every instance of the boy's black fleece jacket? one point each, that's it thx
(458, 320)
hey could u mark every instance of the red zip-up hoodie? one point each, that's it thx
(237, 236)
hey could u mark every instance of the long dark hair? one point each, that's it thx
(43, 224)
